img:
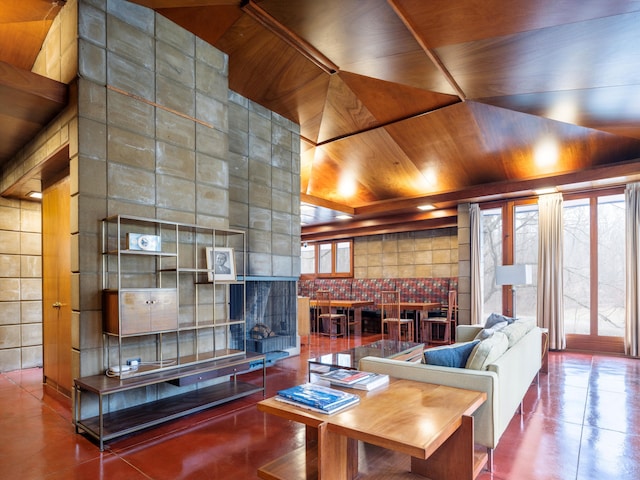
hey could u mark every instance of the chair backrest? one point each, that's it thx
(323, 302)
(390, 304)
(452, 309)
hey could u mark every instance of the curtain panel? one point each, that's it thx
(475, 220)
(550, 304)
(632, 283)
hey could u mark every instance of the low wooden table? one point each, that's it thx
(431, 423)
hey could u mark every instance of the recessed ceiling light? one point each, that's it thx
(37, 195)
(343, 217)
(426, 207)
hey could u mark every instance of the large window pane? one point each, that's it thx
(577, 254)
(491, 256)
(307, 259)
(324, 260)
(343, 257)
(526, 253)
(611, 265)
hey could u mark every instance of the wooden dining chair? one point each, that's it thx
(437, 330)
(390, 314)
(330, 321)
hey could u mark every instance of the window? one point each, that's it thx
(327, 259)
(307, 259)
(594, 268)
(509, 236)
(593, 264)
(526, 253)
(491, 257)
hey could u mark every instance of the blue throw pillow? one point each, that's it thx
(496, 318)
(450, 356)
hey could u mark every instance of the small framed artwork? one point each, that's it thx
(221, 264)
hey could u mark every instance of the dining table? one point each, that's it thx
(353, 309)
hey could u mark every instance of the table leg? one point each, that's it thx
(454, 459)
(357, 318)
(337, 458)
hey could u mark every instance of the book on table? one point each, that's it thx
(371, 381)
(344, 377)
(318, 398)
(355, 379)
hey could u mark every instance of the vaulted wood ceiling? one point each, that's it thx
(410, 101)
(406, 102)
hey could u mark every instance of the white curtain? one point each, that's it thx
(475, 220)
(632, 306)
(550, 305)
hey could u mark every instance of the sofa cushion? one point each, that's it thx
(487, 351)
(496, 318)
(487, 332)
(516, 330)
(450, 355)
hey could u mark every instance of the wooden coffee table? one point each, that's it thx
(431, 423)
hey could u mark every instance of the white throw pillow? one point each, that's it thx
(487, 332)
(487, 351)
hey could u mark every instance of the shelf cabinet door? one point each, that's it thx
(143, 311)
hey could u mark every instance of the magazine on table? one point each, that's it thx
(344, 377)
(373, 380)
(317, 397)
(354, 379)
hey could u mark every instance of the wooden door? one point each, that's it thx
(56, 286)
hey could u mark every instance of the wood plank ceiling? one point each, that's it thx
(28, 101)
(407, 102)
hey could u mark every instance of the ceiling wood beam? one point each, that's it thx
(321, 202)
(477, 193)
(382, 225)
(158, 4)
(299, 44)
(406, 19)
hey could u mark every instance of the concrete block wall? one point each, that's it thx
(264, 191)
(153, 141)
(20, 285)
(421, 254)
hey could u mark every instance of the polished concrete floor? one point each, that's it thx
(581, 422)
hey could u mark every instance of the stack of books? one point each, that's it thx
(355, 379)
(318, 398)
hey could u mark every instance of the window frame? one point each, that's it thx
(334, 253)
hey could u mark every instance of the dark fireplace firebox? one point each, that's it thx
(271, 316)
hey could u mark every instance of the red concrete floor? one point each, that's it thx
(579, 423)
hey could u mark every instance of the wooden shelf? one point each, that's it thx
(136, 418)
(107, 426)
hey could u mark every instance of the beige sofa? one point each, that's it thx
(505, 380)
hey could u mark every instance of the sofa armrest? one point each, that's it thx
(466, 333)
(478, 380)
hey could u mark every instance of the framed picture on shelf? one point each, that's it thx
(221, 263)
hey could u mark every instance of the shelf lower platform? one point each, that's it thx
(107, 426)
(147, 415)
